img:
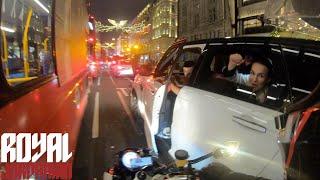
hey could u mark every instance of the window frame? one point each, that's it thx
(225, 49)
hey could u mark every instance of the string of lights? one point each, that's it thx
(119, 26)
(108, 45)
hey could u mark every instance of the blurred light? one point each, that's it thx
(7, 29)
(90, 25)
(92, 68)
(113, 39)
(42, 6)
(91, 39)
(231, 148)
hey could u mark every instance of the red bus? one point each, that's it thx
(43, 76)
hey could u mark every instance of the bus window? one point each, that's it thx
(26, 51)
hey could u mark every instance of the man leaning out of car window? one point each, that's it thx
(258, 79)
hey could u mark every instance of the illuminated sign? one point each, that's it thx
(20, 147)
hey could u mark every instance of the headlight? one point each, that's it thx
(127, 159)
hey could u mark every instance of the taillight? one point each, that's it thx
(92, 67)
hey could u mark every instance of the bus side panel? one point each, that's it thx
(58, 105)
(70, 38)
(48, 109)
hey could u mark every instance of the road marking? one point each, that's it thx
(124, 91)
(113, 81)
(95, 123)
(99, 81)
(127, 109)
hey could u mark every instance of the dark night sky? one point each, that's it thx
(117, 10)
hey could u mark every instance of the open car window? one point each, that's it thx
(241, 83)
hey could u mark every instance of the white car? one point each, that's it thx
(214, 112)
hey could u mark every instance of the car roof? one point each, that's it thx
(260, 40)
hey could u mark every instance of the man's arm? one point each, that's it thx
(234, 61)
(172, 87)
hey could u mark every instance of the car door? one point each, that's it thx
(151, 84)
(219, 114)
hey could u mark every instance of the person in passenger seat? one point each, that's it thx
(258, 79)
(187, 70)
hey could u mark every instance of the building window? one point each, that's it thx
(173, 22)
(212, 15)
(173, 8)
(184, 10)
(197, 4)
(251, 23)
(196, 20)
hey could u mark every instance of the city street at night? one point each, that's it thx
(160, 89)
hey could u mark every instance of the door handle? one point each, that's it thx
(249, 124)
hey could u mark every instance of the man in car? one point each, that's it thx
(187, 70)
(173, 90)
(258, 79)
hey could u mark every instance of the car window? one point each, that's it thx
(165, 64)
(303, 72)
(243, 83)
(186, 60)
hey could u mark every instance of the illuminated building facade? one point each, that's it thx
(202, 19)
(140, 41)
(122, 45)
(293, 19)
(164, 27)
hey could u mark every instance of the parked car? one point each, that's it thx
(213, 110)
(122, 69)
